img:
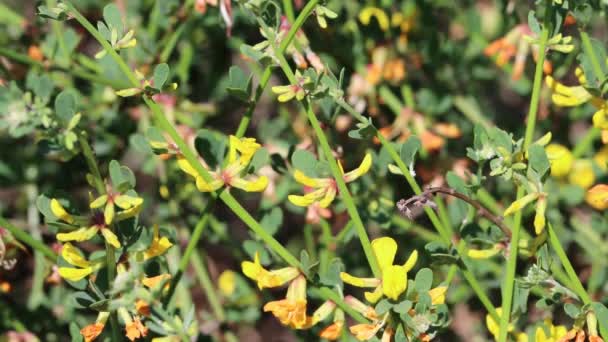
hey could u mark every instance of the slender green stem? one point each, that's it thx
(27, 239)
(509, 281)
(336, 172)
(575, 281)
(190, 251)
(245, 120)
(210, 291)
(288, 8)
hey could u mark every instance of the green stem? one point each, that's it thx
(210, 291)
(336, 172)
(27, 239)
(575, 281)
(288, 8)
(509, 282)
(586, 143)
(244, 123)
(190, 251)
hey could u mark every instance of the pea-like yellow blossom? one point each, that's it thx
(264, 278)
(288, 92)
(75, 257)
(573, 96)
(131, 205)
(325, 189)
(393, 281)
(58, 210)
(549, 332)
(158, 246)
(582, 174)
(240, 153)
(484, 253)
(227, 282)
(494, 328)
(561, 159)
(98, 225)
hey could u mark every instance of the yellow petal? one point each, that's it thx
(367, 13)
(125, 214)
(110, 237)
(483, 253)
(227, 282)
(360, 171)
(73, 256)
(256, 185)
(158, 247)
(438, 295)
(582, 174)
(185, 166)
(394, 281)
(74, 274)
(58, 210)
(126, 201)
(561, 159)
(411, 261)
(520, 203)
(384, 249)
(308, 199)
(374, 297)
(301, 178)
(79, 235)
(329, 197)
(539, 218)
(99, 202)
(600, 120)
(281, 89)
(204, 186)
(359, 282)
(108, 213)
(286, 96)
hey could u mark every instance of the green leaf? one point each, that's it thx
(272, 220)
(65, 106)
(383, 307)
(212, 146)
(161, 74)
(538, 159)
(533, 23)
(593, 80)
(304, 161)
(259, 159)
(403, 307)
(423, 280)
(364, 130)
(111, 14)
(572, 310)
(409, 150)
(82, 299)
(239, 84)
(120, 174)
(601, 312)
(332, 276)
(75, 332)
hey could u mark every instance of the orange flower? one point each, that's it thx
(135, 330)
(152, 282)
(333, 331)
(142, 307)
(91, 331)
(597, 197)
(35, 53)
(364, 332)
(291, 311)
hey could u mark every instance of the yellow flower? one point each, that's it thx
(153, 282)
(131, 205)
(275, 278)
(239, 155)
(541, 206)
(365, 16)
(601, 158)
(484, 253)
(325, 189)
(291, 311)
(92, 331)
(135, 329)
(393, 281)
(582, 174)
(494, 328)
(158, 247)
(74, 257)
(288, 92)
(573, 96)
(597, 197)
(555, 332)
(366, 331)
(561, 159)
(87, 233)
(437, 295)
(58, 210)
(334, 330)
(227, 282)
